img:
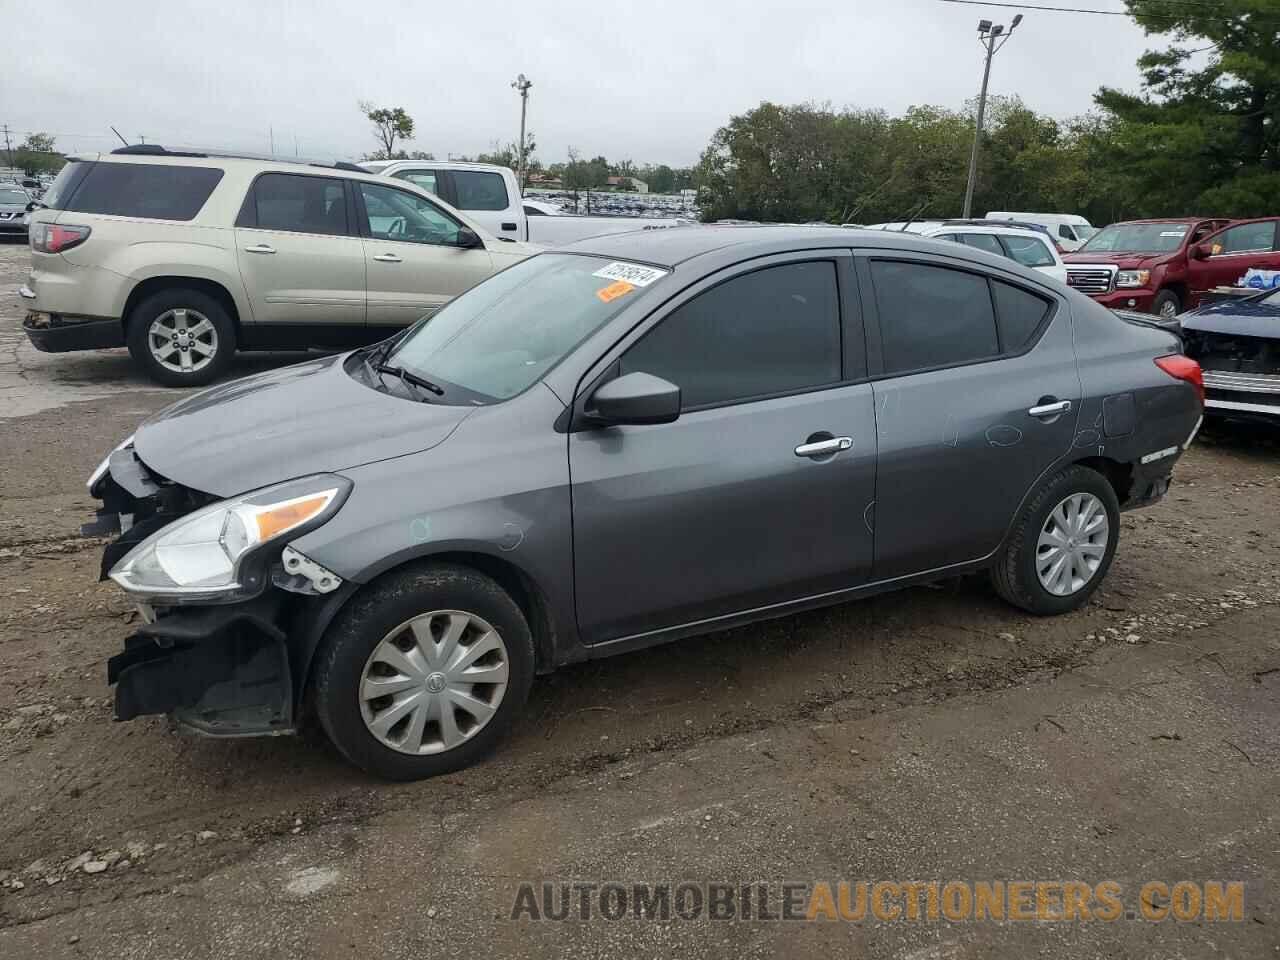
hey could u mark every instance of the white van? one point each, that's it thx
(1070, 230)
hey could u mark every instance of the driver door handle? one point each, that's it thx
(387, 258)
(824, 448)
(1050, 409)
(259, 248)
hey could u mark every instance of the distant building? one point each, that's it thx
(637, 186)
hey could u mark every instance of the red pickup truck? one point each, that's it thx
(1165, 266)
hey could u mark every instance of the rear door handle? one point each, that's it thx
(259, 248)
(1050, 409)
(824, 448)
(387, 258)
(509, 226)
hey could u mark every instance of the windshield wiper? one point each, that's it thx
(409, 378)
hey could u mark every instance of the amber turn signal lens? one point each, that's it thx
(279, 519)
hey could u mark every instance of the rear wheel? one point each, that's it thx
(181, 337)
(1166, 305)
(1061, 545)
(424, 672)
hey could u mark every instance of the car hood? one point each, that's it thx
(1125, 261)
(13, 208)
(1241, 317)
(275, 426)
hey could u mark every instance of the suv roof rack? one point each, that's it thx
(156, 150)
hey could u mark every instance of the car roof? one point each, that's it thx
(671, 246)
(994, 227)
(1121, 223)
(197, 157)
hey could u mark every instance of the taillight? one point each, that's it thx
(1183, 368)
(55, 237)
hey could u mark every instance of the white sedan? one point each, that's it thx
(1031, 248)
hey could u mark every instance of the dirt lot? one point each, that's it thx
(929, 734)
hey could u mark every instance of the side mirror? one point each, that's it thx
(468, 239)
(636, 398)
(1202, 251)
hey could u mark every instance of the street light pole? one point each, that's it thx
(522, 84)
(988, 35)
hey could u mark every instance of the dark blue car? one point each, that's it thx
(1237, 343)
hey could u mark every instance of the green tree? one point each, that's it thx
(389, 125)
(36, 154)
(1203, 135)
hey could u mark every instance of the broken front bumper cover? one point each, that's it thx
(218, 670)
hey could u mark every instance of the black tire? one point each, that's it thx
(1014, 572)
(1166, 300)
(203, 370)
(373, 615)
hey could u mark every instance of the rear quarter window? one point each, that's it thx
(150, 190)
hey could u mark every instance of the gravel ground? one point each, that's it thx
(930, 734)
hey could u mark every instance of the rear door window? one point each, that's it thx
(297, 204)
(932, 316)
(478, 190)
(156, 191)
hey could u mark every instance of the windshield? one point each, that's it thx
(1138, 238)
(502, 336)
(14, 196)
(1084, 231)
(1272, 299)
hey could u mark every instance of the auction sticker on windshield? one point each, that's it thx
(632, 273)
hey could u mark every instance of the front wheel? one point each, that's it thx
(424, 672)
(1061, 544)
(181, 337)
(1166, 305)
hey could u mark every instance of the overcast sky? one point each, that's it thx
(650, 81)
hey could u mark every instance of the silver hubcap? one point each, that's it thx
(1072, 544)
(1168, 309)
(433, 682)
(182, 340)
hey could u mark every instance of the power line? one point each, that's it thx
(1095, 12)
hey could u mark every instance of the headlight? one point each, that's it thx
(203, 555)
(1133, 278)
(100, 470)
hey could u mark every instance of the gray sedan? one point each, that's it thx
(14, 202)
(630, 441)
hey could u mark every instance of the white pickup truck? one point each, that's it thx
(490, 195)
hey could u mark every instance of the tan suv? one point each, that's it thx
(186, 257)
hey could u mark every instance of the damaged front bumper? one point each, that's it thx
(218, 670)
(227, 667)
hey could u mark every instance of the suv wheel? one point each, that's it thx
(423, 673)
(1166, 305)
(1061, 544)
(181, 338)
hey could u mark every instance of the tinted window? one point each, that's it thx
(1065, 232)
(1028, 251)
(480, 191)
(426, 179)
(1019, 313)
(932, 316)
(396, 215)
(533, 212)
(984, 241)
(1248, 238)
(300, 204)
(153, 190)
(767, 332)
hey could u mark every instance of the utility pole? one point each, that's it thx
(522, 84)
(8, 149)
(988, 35)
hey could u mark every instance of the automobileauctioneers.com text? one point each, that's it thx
(887, 901)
